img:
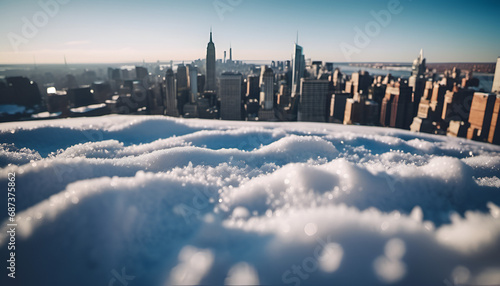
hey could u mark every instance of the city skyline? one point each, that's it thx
(363, 31)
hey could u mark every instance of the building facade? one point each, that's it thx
(313, 100)
(182, 78)
(193, 83)
(230, 96)
(171, 94)
(298, 69)
(267, 88)
(496, 79)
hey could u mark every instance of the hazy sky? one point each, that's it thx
(131, 31)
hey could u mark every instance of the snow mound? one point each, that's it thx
(148, 200)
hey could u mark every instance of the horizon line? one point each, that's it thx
(244, 61)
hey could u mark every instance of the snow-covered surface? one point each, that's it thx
(88, 108)
(46, 115)
(163, 201)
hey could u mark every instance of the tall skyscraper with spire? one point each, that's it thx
(417, 81)
(298, 68)
(418, 67)
(210, 66)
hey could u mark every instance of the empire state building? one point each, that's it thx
(210, 68)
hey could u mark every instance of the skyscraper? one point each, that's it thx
(298, 69)
(481, 112)
(182, 81)
(210, 66)
(456, 104)
(252, 95)
(141, 73)
(401, 107)
(266, 111)
(494, 136)
(230, 96)
(397, 106)
(418, 67)
(171, 94)
(253, 90)
(267, 88)
(337, 81)
(417, 81)
(193, 82)
(191, 108)
(337, 107)
(313, 100)
(496, 79)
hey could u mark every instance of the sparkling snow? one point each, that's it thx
(138, 200)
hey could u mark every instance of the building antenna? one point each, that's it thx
(297, 42)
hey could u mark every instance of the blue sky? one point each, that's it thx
(130, 31)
